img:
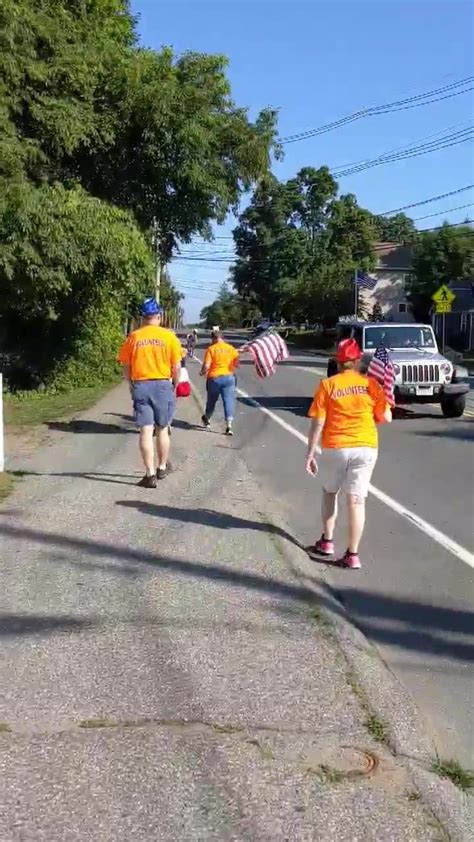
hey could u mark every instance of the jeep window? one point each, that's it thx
(399, 337)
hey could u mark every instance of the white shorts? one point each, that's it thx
(347, 469)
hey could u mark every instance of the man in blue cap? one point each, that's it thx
(151, 357)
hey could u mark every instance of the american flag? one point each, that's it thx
(381, 369)
(364, 281)
(267, 351)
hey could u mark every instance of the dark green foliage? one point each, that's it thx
(298, 246)
(70, 265)
(90, 123)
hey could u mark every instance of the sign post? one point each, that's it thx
(443, 299)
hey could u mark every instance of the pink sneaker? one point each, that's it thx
(350, 561)
(324, 547)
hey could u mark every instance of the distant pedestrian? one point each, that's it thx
(151, 358)
(220, 362)
(191, 343)
(344, 414)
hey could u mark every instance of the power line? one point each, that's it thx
(231, 257)
(447, 210)
(401, 148)
(427, 98)
(427, 201)
(463, 136)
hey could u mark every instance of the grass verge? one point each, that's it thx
(462, 778)
(7, 481)
(39, 408)
(310, 340)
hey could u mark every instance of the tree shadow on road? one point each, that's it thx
(206, 517)
(400, 413)
(403, 623)
(114, 479)
(410, 624)
(459, 433)
(83, 426)
(23, 624)
(295, 404)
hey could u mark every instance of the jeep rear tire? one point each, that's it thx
(453, 407)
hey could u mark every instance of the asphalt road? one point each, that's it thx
(413, 598)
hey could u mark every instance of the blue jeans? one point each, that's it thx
(223, 387)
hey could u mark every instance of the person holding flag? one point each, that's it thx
(344, 414)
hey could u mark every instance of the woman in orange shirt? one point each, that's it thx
(219, 365)
(344, 414)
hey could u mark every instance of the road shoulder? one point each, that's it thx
(175, 668)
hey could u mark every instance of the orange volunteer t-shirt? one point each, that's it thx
(221, 359)
(350, 404)
(152, 352)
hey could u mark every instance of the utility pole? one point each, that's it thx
(156, 243)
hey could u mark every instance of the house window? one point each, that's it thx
(402, 307)
(463, 322)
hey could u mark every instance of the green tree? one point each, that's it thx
(183, 152)
(298, 245)
(395, 229)
(376, 314)
(441, 256)
(60, 63)
(225, 311)
(156, 134)
(71, 266)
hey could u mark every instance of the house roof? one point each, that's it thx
(394, 256)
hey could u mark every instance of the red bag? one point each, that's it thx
(183, 389)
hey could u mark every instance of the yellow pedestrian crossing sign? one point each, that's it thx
(443, 299)
(444, 295)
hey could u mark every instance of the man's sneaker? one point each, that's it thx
(324, 547)
(161, 473)
(147, 482)
(205, 421)
(349, 560)
(229, 431)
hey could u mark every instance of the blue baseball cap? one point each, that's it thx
(150, 307)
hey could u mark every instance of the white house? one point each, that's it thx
(394, 263)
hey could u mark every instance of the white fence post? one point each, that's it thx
(2, 445)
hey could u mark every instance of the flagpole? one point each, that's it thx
(356, 302)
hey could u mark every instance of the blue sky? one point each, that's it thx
(318, 60)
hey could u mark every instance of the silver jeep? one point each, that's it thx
(422, 374)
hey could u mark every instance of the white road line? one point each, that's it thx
(433, 533)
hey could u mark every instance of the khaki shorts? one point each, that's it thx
(347, 469)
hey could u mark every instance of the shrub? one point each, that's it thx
(71, 267)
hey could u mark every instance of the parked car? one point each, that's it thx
(261, 328)
(422, 373)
